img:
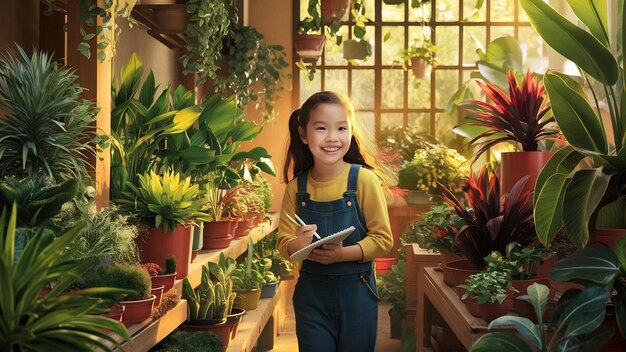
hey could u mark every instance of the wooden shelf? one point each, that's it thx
(147, 334)
(254, 323)
(147, 15)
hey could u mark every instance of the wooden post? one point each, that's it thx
(95, 78)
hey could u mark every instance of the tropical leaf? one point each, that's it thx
(500, 341)
(596, 264)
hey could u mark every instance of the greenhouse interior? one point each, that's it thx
(312, 175)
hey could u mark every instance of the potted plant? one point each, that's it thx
(270, 286)
(433, 232)
(357, 48)
(266, 248)
(586, 179)
(60, 319)
(523, 117)
(489, 221)
(43, 131)
(432, 164)
(392, 290)
(421, 56)
(247, 282)
(209, 304)
(167, 204)
(572, 326)
(492, 291)
(139, 302)
(159, 276)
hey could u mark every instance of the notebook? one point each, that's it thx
(336, 237)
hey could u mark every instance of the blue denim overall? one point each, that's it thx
(336, 305)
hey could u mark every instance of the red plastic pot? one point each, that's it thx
(137, 311)
(155, 245)
(383, 265)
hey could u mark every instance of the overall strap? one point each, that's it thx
(302, 182)
(352, 177)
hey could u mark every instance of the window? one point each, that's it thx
(398, 100)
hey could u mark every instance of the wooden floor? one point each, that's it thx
(287, 342)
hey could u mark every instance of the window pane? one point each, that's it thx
(363, 89)
(366, 121)
(393, 13)
(391, 119)
(420, 120)
(419, 92)
(370, 36)
(473, 38)
(336, 80)
(333, 52)
(392, 94)
(443, 131)
(472, 15)
(420, 13)
(308, 88)
(447, 39)
(502, 31)
(392, 47)
(502, 11)
(419, 33)
(531, 42)
(447, 11)
(447, 84)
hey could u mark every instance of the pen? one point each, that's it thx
(299, 222)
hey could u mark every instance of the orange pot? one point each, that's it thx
(515, 165)
(155, 245)
(217, 234)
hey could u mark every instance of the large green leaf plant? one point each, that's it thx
(583, 186)
(30, 321)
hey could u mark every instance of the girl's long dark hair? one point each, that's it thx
(299, 155)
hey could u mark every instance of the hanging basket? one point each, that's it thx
(309, 47)
(334, 9)
(356, 49)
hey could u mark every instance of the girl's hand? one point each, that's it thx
(327, 253)
(305, 236)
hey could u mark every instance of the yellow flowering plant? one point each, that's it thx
(431, 164)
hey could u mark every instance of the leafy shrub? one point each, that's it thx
(129, 277)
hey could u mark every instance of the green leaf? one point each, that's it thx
(593, 263)
(585, 313)
(83, 48)
(498, 342)
(183, 120)
(548, 209)
(574, 115)
(563, 161)
(594, 15)
(620, 252)
(524, 327)
(538, 295)
(582, 196)
(130, 76)
(572, 41)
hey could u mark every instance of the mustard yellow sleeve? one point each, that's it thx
(286, 228)
(379, 239)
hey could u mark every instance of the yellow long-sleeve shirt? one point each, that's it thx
(378, 240)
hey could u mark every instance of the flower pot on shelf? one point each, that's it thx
(491, 311)
(233, 319)
(217, 234)
(244, 227)
(515, 165)
(247, 299)
(197, 240)
(269, 289)
(155, 245)
(446, 258)
(472, 307)
(167, 280)
(455, 272)
(157, 291)
(137, 311)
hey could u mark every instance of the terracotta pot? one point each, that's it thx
(244, 227)
(155, 245)
(217, 234)
(456, 271)
(420, 68)
(472, 307)
(309, 46)
(269, 289)
(515, 165)
(446, 258)
(115, 312)
(218, 326)
(334, 9)
(608, 237)
(247, 299)
(522, 285)
(167, 280)
(137, 311)
(491, 311)
(233, 319)
(384, 264)
(157, 290)
(259, 218)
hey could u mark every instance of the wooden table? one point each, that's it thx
(416, 260)
(441, 299)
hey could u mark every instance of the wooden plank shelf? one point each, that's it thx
(147, 334)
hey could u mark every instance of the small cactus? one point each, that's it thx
(170, 265)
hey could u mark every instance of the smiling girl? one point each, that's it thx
(333, 185)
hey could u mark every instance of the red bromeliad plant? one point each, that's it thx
(516, 117)
(492, 221)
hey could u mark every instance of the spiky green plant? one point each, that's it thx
(58, 322)
(45, 126)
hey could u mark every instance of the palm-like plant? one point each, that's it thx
(493, 221)
(519, 116)
(45, 127)
(165, 201)
(59, 322)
